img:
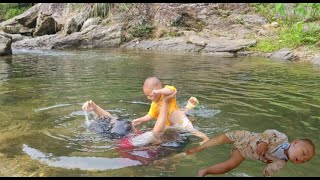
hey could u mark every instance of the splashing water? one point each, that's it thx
(87, 122)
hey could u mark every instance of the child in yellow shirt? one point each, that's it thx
(176, 118)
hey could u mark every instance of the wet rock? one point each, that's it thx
(5, 44)
(284, 54)
(315, 60)
(176, 44)
(227, 45)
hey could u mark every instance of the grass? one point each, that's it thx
(10, 10)
(293, 32)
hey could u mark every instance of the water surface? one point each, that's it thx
(42, 124)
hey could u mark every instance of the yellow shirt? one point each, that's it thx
(155, 107)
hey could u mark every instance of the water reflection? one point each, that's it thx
(41, 94)
(83, 163)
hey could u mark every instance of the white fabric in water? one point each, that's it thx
(143, 139)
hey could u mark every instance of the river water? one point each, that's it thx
(42, 124)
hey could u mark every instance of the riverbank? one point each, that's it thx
(217, 29)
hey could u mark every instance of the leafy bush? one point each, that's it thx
(10, 10)
(294, 30)
(145, 31)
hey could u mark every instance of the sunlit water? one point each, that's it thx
(43, 129)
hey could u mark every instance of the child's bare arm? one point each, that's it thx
(138, 121)
(159, 127)
(164, 91)
(200, 135)
(91, 106)
(261, 148)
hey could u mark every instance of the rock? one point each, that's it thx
(284, 54)
(46, 25)
(18, 37)
(5, 44)
(274, 24)
(176, 44)
(221, 54)
(315, 60)
(197, 40)
(227, 45)
(90, 21)
(75, 23)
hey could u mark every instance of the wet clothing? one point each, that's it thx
(112, 128)
(246, 142)
(184, 125)
(155, 107)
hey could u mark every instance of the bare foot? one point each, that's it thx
(192, 103)
(202, 173)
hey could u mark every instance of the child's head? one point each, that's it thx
(301, 150)
(150, 84)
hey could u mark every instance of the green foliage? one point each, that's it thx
(265, 9)
(174, 34)
(293, 31)
(266, 45)
(300, 11)
(105, 9)
(101, 9)
(297, 36)
(10, 10)
(144, 31)
(291, 37)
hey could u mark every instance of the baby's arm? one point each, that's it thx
(91, 106)
(167, 90)
(200, 135)
(138, 121)
(274, 135)
(267, 136)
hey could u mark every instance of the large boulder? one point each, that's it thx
(94, 36)
(23, 23)
(46, 25)
(5, 44)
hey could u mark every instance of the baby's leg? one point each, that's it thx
(217, 140)
(235, 160)
(192, 103)
(180, 121)
(200, 135)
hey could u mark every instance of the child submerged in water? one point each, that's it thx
(140, 139)
(176, 118)
(271, 147)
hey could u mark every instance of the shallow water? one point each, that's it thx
(43, 127)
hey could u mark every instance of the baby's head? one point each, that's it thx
(150, 84)
(301, 151)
